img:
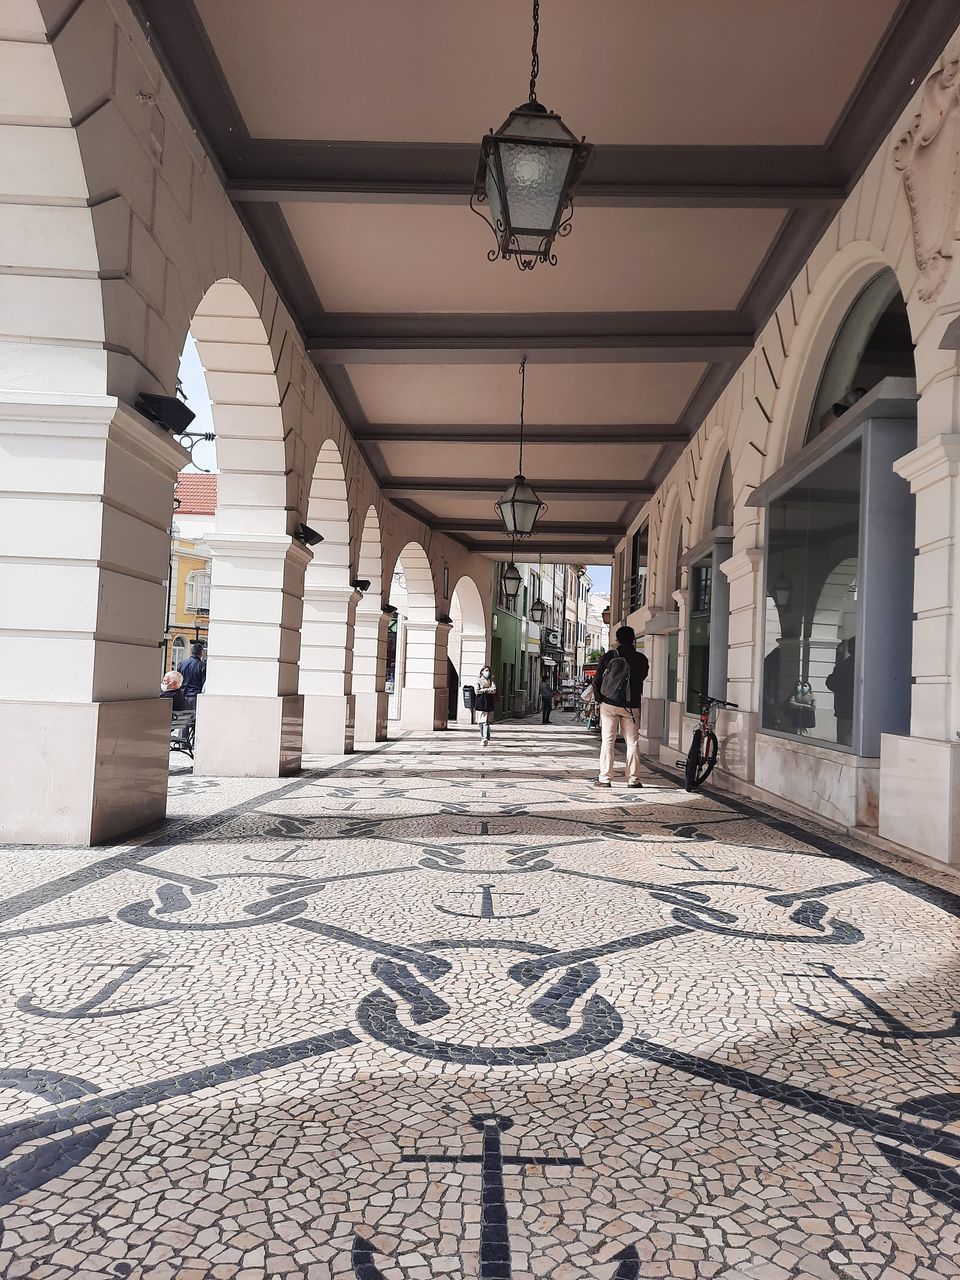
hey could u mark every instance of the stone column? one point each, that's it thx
(424, 701)
(737, 729)
(920, 774)
(250, 715)
(326, 668)
(369, 676)
(85, 534)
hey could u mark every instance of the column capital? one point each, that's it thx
(937, 460)
(742, 564)
(259, 546)
(330, 593)
(102, 418)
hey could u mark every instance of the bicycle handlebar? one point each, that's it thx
(710, 702)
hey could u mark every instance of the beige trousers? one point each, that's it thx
(614, 720)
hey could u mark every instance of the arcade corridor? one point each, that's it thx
(420, 1014)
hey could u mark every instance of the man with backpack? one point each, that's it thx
(617, 687)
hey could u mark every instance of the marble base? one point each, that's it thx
(831, 784)
(328, 724)
(87, 773)
(248, 737)
(370, 717)
(920, 795)
(737, 735)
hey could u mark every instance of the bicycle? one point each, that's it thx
(702, 757)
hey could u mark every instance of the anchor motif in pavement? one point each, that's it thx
(89, 1008)
(487, 910)
(893, 1027)
(495, 1252)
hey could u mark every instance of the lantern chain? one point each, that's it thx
(523, 396)
(534, 52)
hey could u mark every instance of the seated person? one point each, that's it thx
(171, 686)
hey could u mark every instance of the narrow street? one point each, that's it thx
(430, 1012)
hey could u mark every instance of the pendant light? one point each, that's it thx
(538, 609)
(519, 506)
(512, 582)
(526, 176)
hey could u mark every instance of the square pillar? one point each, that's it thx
(920, 774)
(326, 668)
(369, 676)
(424, 701)
(85, 529)
(250, 714)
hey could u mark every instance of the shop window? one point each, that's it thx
(673, 663)
(839, 589)
(698, 633)
(708, 601)
(872, 343)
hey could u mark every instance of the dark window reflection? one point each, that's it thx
(809, 668)
(698, 633)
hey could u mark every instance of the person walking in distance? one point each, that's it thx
(486, 700)
(617, 687)
(546, 701)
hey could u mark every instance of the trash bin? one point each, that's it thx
(470, 700)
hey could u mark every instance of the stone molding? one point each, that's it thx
(928, 156)
(742, 564)
(260, 546)
(931, 463)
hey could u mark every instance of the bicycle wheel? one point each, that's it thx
(701, 759)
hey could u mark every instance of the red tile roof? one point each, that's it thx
(196, 494)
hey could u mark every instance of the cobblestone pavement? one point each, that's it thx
(437, 1013)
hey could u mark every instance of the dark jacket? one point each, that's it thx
(194, 672)
(639, 666)
(546, 693)
(180, 703)
(841, 683)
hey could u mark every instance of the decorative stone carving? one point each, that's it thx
(928, 156)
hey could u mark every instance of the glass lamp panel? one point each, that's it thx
(534, 184)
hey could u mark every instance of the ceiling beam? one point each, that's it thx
(545, 528)
(553, 337)
(664, 176)
(526, 552)
(490, 433)
(586, 489)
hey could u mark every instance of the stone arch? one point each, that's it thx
(249, 717)
(843, 279)
(58, 343)
(370, 637)
(469, 643)
(329, 613)
(670, 530)
(716, 456)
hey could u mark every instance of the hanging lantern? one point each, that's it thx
(538, 611)
(526, 176)
(782, 593)
(519, 506)
(512, 582)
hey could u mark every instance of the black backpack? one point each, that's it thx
(615, 683)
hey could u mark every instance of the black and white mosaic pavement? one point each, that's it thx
(433, 1013)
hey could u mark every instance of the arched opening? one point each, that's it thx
(840, 541)
(249, 715)
(873, 342)
(708, 602)
(416, 676)
(370, 638)
(467, 648)
(329, 608)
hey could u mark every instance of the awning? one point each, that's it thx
(548, 662)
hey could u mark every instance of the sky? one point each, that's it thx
(195, 389)
(194, 385)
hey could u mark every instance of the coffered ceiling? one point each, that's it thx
(727, 134)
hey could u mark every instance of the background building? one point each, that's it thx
(188, 598)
